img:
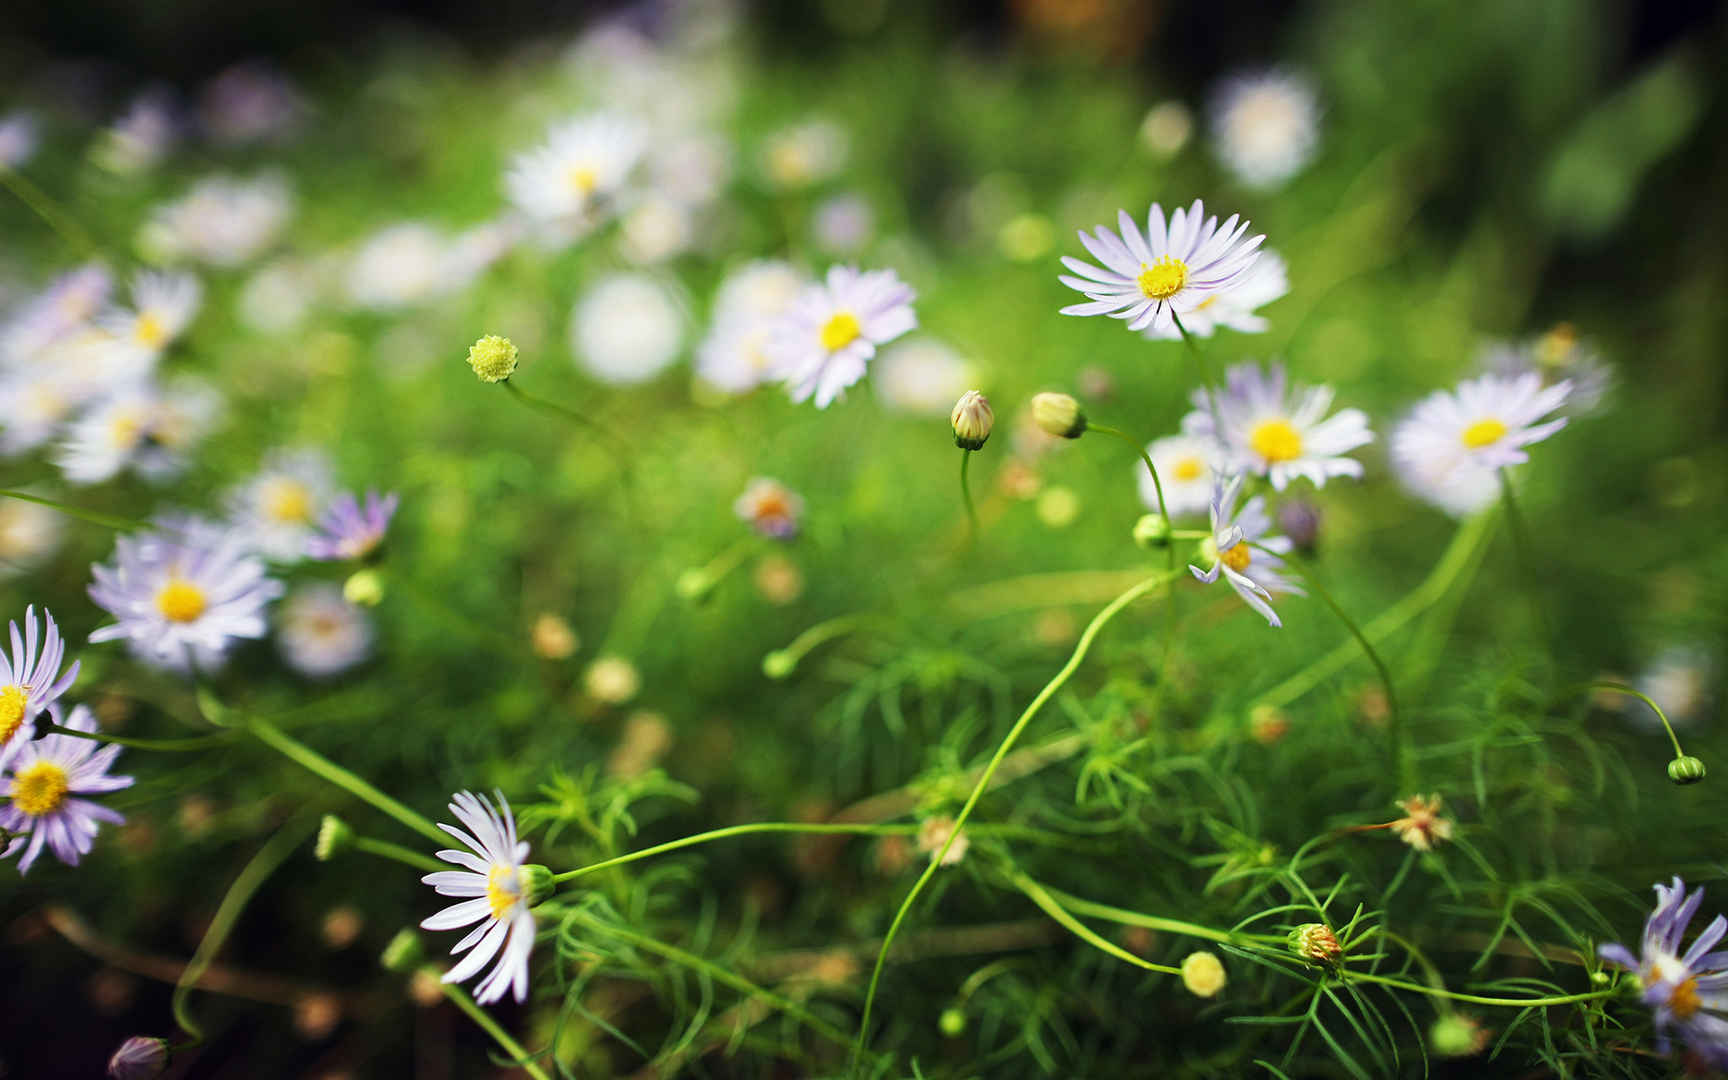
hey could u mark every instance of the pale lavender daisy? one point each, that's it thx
(277, 508)
(1233, 308)
(47, 774)
(1151, 279)
(348, 531)
(64, 307)
(1276, 430)
(826, 339)
(1687, 991)
(320, 633)
(142, 1057)
(1556, 354)
(142, 427)
(1185, 466)
(1242, 552)
(494, 882)
(163, 305)
(182, 604)
(30, 681)
(733, 357)
(1449, 447)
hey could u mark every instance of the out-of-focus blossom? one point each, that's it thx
(921, 376)
(1559, 354)
(1266, 126)
(1422, 826)
(320, 633)
(279, 296)
(843, 224)
(412, 263)
(626, 328)
(733, 357)
(805, 154)
(49, 778)
(770, 507)
(146, 428)
(656, 229)
(574, 179)
(827, 337)
(249, 102)
(1276, 430)
(1185, 468)
(141, 137)
(18, 139)
(350, 531)
(1681, 679)
(163, 306)
(276, 509)
(29, 534)
(1166, 128)
(65, 307)
(224, 220)
(1449, 448)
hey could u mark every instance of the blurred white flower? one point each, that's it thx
(921, 375)
(1555, 355)
(250, 103)
(18, 139)
(1166, 128)
(574, 179)
(805, 154)
(1449, 448)
(412, 263)
(626, 328)
(1266, 126)
(320, 633)
(224, 220)
(823, 343)
(141, 137)
(65, 307)
(733, 356)
(843, 224)
(143, 427)
(655, 229)
(278, 509)
(1233, 307)
(164, 304)
(280, 294)
(29, 534)
(690, 169)
(1682, 679)
(1185, 467)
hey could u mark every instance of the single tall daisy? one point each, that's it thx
(495, 884)
(1233, 308)
(577, 174)
(1687, 991)
(1449, 447)
(826, 339)
(348, 531)
(47, 774)
(1149, 279)
(1242, 552)
(30, 681)
(1279, 431)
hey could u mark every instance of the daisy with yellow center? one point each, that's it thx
(1686, 989)
(1450, 448)
(497, 890)
(1184, 463)
(47, 794)
(279, 507)
(30, 680)
(1268, 427)
(1242, 552)
(571, 181)
(164, 304)
(827, 337)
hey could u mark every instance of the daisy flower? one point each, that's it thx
(770, 507)
(1557, 354)
(1449, 447)
(47, 774)
(1266, 126)
(349, 532)
(142, 427)
(805, 154)
(1687, 991)
(320, 633)
(733, 357)
(1184, 464)
(277, 508)
(1233, 308)
(30, 681)
(626, 329)
(17, 139)
(141, 137)
(163, 305)
(824, 342)
(1149, 279)
(181, 604)
(1271, 429)
(573, 177)
(66, 305)
(1251, 571)
(494, 882)
(1422, 826)
(224, 220)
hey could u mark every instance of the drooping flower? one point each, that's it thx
(1148, 279)
(1185, 468)
(1266, 126)
(320, 632)
(1422, 826)
(1234, 308)
(495, 885)
(770, 507)
(349, 532)
(733, 357)
(276, 509)
(1242, 552)
(47, 776)
(626, 328)
(181, 605)
(1687, 992)
(574, 178)
(826, 339)
(1279, 431)
(30, 681)
(1448, 449)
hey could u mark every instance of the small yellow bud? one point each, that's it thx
(493, 358)
(1151, 531)
(972, 420)
(364, 588)
(1203, 974)
(952, 1022)
(1059, 415)
(612, 680)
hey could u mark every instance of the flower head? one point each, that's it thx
(627, 328)
(574, 178)
(733, 357)
(972, 420)
(277, 508)
(1558, 353)
(1242, 551)
(770, 507)
(1266, 126)
(1279, 431)
(1203, 974)
(1316, 943)
(1422, 826)
(933, 832)
(1149, 279)
(163, 306)
(139, 1058)
(1058, 415)
(493, 358)
(825, 340)
(142, 427)
(320, 632)
(1687, 991)
(181, 602)
(1233, 308)
(46, 777)
(495, 884)
(1185, 468)
(223, 220)
(30, 681)
(1450, 446)
(349, 532)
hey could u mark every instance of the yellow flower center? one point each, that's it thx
(150, 331)
(40, 788)
(1483, 433)
(1188, 469)
(1684, 1001)
(1238, 557)
(840, 331)
(1163, 279)
(501, 890)
(583, 180)
(1276, 440)
(13, 700)
(287, 501)
(180, 600)
(126, 429)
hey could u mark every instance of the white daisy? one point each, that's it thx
(922, 376)
(1233, 308)
(826, 339)
(1242, 552)
(1557, 354)
(398, 266)
(1278, 431)
(805, 154)
(626, 328)
(1169, 269)
(30, 681)
(1184, 464)
(494, 884)
(224, 220)
(575, 177)
(733, 357)
(1450, 446)
(320, 633)
(1266, 126)
(281, 294)
(843, 224)
(34, 402)
(144, 428)
(63, 308)
(163, 305)
(277, 509)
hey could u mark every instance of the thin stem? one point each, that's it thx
(107, 521)
(1151, 922)
(782, 662)
(299, 752)
(695, 584)
(518, 1056)
(49, 211)
(1199, 355)
(49, 727)
(401, 854)
(1085, 933)
(1525, 553)
(1163, 513)
(1622, 688)
(966, 493)
(1476, 999)
(1081, 648)
(740, 830)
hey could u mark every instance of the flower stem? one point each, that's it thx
(45, 208)
(1152, 922)
(1524, 552)
(386, 849)
(518, 1056)
(1081, 648)
(298, 752)
(1640, 695)
(199, 742)
(782, 662)
(1476, 999)
(1056, 911)
(1199, 356)
(821, 828)
(107, 521)
(696, 583)
(966, 493)
(617, 443)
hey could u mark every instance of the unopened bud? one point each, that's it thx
(364, 588)
(493, 358)
(779, 664)
(972, 420)
(1151, 531)
(1203, 974)
(952, 1022)
(1059, 415)
(1315, 943)
(334, 837)
(139, 1058)
(537, 884)
(404, 952)
(694, 585)
(1686, 770)
(1300, 521)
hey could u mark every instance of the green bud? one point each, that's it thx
(1686, 770)
(779, 664)
(694, 585)
(334, 837)
(364, 588)
(952, 1022)
(1315, 943)
(1059, 415)
(1151, 532)
(404, 952)
(537, 884)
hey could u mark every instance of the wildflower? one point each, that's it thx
(224, 221)
(145, 428)
(407, 264)
(182, 605)
(496, 876)
(646, 738)
(827, 337)
(1557, 354)
(141, 1057)
(1058, 415)
(576, 175)
(1451, 444)
(493, 358)
(30, 681)
(1680, 678)
(349, 532)
(655, 229)
(1316, 943)
(1233, 308)
(64, 307)
(1165, 129)
(276, 509)
(626, 328)
(1203, 974)
(1268, 723)
(140, 138)
(320, 632)
(733, 357)
(1300, 520)
(1147, 280)
(934, 832)
(1240, 550)
(46, 775)
(1275, 430)
(972, 420)
(920, 376)
(1422, 826)
(1686, 769)
(843, 224)
(1689, 991)
(1184, 464)
(163, 305)
(806, 154)
(28, 534)
(1266, 126)
(770, 507)
(250, 102)
(280, 295)
(612, 680)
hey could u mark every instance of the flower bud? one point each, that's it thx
(1151, 532)
(952, 1022)
(1299, 519)
(1456, 1035)
(537, 884)
(139, 1058)
(493, 358)
(404, 952)
(1203, 974)
(779, 664)
(1686, 770)
(364, 588)
(972, 420)
(1058, 415)
(1315, 943)
(334, 837)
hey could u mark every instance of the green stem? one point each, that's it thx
(1622, 688)
(49, 727)
(1085, 933)
(1199, 355)
(740, 830)
(782, 662)
(45, 208)
(1152, 922)
(1476, 999)
(299, 752)
(401, 854)
(107, 521)
(966, 492)
(1081, 648)
(1163, 513)
(1524, 552)
(518, 1056)
(696, 583)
